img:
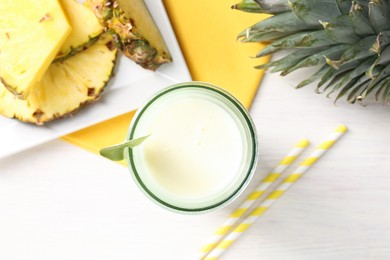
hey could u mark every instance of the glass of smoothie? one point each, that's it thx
(201, 151)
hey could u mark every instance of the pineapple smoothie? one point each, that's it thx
(201, 151)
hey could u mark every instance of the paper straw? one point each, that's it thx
(277, 193)
(253, 197)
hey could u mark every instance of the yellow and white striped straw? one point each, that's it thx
(253, 197)
(277, 193)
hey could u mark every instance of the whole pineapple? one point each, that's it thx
(348, 40)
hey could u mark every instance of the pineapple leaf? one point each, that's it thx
(383, 58)
(318, 58)
(262, 36)
(378, 20)
(344, 6)
(285, 22)
(317, 75)
(288, 60)
(352, 76)
(350, 40)
(275, 27)
(346, 88)
(342, 87)
(249, 6)
(340, 29)
(361, 84)
(367, 81)
(362, 68)
(382, 41)
(333, 72)
(360, 50)
(385, 72)
(364, 83)
(386, 94)
(311, 11)
(299, 40)
(386, 8)
(337, 81)
(273, 6)
(325, 78)
(360, 23)
(382, 87)
(293, 58)
(363, 3)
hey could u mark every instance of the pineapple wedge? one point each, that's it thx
(31, 34)
(151, 52)
(66, 87)
(86, 29)
(134, 30)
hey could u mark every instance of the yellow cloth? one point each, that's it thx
(206, 31)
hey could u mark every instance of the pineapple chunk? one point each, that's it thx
(134, 29)
(66, 87)
(86, 28)
(31, 34)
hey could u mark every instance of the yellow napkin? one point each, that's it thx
(206, 31)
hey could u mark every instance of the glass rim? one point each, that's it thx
(248, 123)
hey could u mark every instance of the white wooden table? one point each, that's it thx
(60, 202)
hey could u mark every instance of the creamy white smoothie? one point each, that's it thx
(201, 149)
(195, 147)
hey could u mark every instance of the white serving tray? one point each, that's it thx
(130, 86)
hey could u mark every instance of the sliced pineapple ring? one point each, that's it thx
(31, 34)
(86, 28)
(66, 87)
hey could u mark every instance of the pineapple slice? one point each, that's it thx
(66, 87)
(101, 8)
(86, 29)
(151, 52)
(31, 34)
(135, 31)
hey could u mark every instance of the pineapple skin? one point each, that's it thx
(86, 29)
(133, 30)
(71, 51)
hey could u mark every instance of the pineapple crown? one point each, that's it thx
(349, 41)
